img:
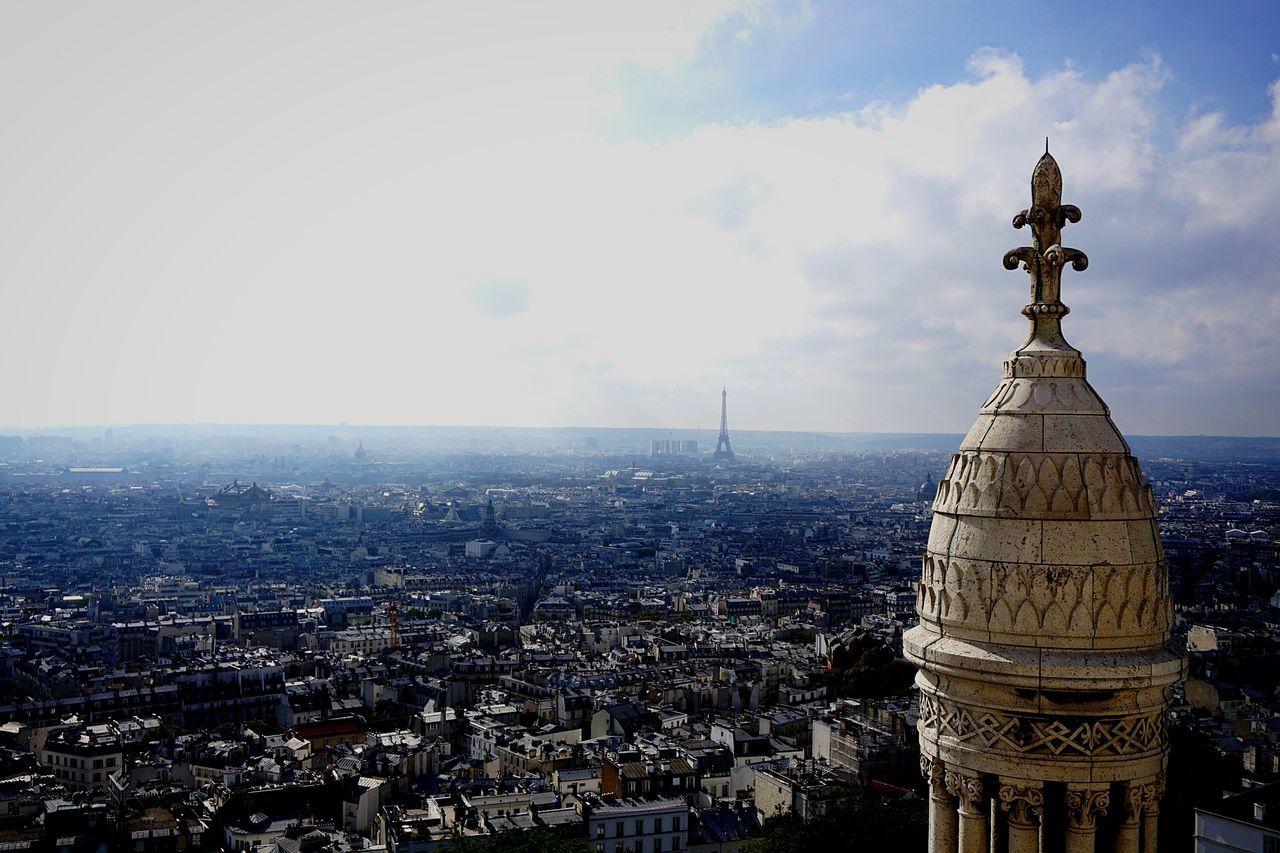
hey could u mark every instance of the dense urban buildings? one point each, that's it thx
(259, 645)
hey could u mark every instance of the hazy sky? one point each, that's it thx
(596, 213)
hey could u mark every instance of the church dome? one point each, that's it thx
(1043, 603)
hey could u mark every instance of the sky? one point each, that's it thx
(600, 213)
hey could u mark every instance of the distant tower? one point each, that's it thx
(360, 455)
(723, 449)
(1045, 669)
(489, 522)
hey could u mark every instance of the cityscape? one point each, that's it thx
(595, 427)
(259, 638)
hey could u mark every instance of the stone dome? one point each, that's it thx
(1044, 603)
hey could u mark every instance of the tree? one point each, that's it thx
(858, 822)
(867, 668)
(1198, 774)
(800, 636)
(538, 840)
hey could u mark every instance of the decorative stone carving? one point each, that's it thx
(965, 787)
(1094, 486)
(932, 769)
(1046, 256)
(1023, 801)
(1039, 601)
(1142, 797)
(1086, 805)
(1152, 793)
(1039, 735)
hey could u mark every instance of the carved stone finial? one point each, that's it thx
(1045, 258)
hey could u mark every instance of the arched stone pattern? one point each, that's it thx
(1042, 735)
(1064, 365)
(1023, 396)
(1045, 601)
(1058, 486)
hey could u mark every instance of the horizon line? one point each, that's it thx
(374, 426)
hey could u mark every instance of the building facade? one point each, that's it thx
(83, 757)
(639, 826)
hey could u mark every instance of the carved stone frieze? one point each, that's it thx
(1044, 485)
(1042, 735)
(1054, 366)
(1040, 601)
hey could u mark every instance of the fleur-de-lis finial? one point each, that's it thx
(1046, 256)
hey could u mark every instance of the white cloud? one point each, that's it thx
(425, 219)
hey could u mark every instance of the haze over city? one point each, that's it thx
(605, 427)
(597, 214)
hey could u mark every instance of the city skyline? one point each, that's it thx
(429, 216)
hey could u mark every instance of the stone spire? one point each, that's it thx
(1042, 646)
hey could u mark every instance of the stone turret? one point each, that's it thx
(1044, 665)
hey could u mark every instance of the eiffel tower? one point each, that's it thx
(724, 452)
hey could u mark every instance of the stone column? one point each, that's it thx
(1149, 796)
(1084, 807)
(1023, 801)
(972, 827)
(943, 820)
(1150, 820)
(1130, 821)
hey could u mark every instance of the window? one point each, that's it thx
(1270, 844)
(620, 830)
(640, 827)
(675, 823)
(657, 824)
(599, 830)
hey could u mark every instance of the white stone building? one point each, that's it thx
(1248, 822)
(638, 826)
